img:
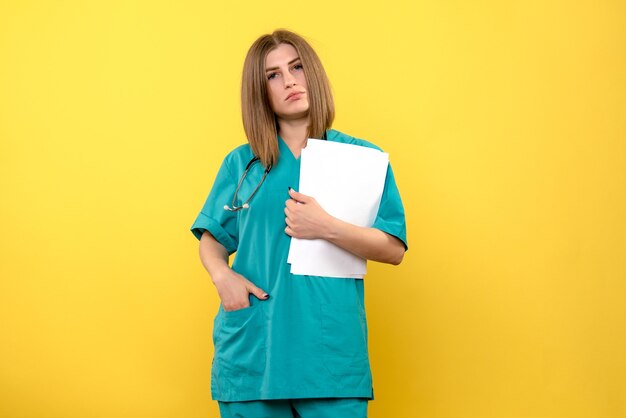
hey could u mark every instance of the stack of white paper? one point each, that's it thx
(348, 182)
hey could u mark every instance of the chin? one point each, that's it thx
(295, 114)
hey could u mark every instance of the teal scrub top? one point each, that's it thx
(309, 339)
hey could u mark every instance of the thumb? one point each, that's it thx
(259, 293)
(297, 195)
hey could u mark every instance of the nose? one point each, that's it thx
(289, 79)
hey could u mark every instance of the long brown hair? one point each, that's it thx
(259, 121)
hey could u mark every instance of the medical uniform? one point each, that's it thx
(309, 339)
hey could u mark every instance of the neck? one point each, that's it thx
(294, 133)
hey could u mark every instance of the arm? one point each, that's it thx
(306, 219)
(232, 287)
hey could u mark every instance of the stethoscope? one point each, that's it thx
(233, 207)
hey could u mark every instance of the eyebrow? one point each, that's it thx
(289, 63)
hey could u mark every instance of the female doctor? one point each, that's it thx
(287, 345)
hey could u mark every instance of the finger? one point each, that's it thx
(289, 231)
(298, 196)
(259, 293)
(289, 223)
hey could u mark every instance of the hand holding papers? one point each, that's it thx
(347, 181)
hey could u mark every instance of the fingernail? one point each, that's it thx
(266, 296)
(290, 188)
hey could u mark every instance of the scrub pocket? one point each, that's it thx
(240, 342)
(344, 339)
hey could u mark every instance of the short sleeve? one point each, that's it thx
(221, 223)
(390, 217)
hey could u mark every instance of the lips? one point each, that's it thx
(295, 94)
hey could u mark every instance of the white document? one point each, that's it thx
(347, 181)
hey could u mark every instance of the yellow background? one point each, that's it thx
(506, 126)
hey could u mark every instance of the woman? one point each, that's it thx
(303, 351)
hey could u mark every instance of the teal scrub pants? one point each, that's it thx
(296, 408)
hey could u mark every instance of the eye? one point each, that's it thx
(271, 75)
(297, 67)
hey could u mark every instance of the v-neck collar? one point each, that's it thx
(283, 147)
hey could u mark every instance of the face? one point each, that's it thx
(286, 85)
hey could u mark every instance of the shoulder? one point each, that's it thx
(238, 157)
(337, 136)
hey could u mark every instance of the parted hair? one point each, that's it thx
(259, 120)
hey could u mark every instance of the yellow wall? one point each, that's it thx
(506, 126)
